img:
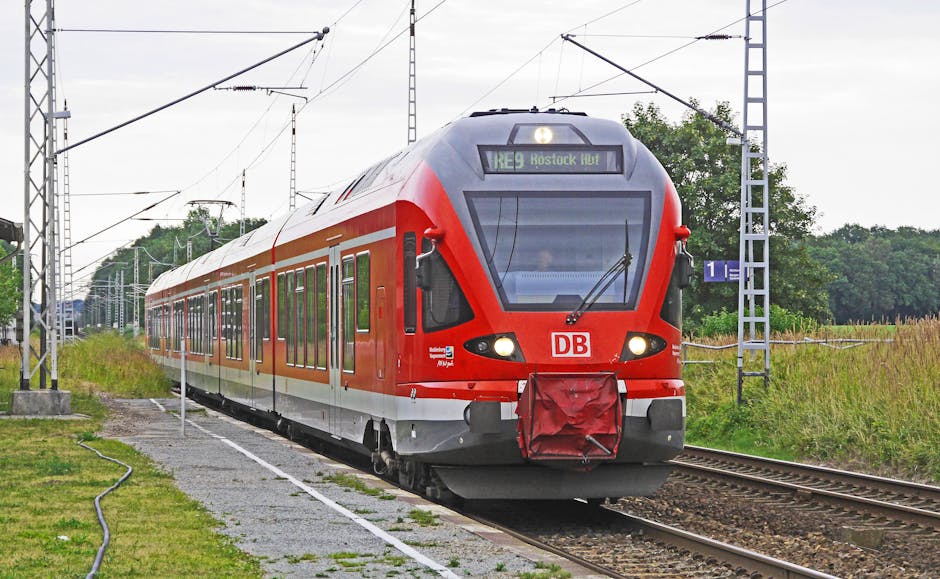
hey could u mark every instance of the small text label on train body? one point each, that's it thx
(571, 345)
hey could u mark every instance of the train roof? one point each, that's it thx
(449, 150)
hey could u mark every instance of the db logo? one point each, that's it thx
(571, 345)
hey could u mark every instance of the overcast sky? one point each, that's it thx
(853, 88)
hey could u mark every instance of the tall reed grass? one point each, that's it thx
(876, 406)
(104, 362)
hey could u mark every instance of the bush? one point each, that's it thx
(781, 320)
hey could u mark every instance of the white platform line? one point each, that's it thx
(394, 542)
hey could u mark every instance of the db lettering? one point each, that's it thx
(571, 345)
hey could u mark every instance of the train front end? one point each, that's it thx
(542, 262)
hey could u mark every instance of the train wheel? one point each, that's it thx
(412, 475)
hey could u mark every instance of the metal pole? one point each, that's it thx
(241, 225)
(122, 301)
(135, 291)
(27, 307)
(51, 284)
(183, 385)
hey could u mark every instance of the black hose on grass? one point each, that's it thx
(104, 525)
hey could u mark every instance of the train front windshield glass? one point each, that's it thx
(546, 251)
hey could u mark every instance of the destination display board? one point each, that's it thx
(528, 159)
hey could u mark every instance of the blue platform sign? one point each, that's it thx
(722, 270)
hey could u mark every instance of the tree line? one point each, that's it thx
(852, 274)
(162, 249)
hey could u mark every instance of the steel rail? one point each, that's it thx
(892, 510)
(752, 561)
(540, 544)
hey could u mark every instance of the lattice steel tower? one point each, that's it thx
(293, 159)
(67, 327)
(39, 211)
(754, 282)
(412, 89)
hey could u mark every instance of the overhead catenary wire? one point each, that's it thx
(128, 218)
(117, 193)
(338, 82)
(180, 31)
(539, 54)
(317, 36)
(669, 52)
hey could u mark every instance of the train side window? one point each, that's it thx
(363, 309)
(322, 320)
(258, 320)
(310, 323)
(289, 317)
(349, 313)
(237, 304)
(281, 307)
(299, 325)
(266, 308)
(190, 310)
(166, 324)
(177, 325)
(443, 304)
(226, 321)
(410, 297)
(213, 322)
(671, 312)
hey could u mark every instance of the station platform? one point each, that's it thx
(303, 514)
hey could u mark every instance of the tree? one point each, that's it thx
(707, 174)
(167, 248)
(11, 285)
(881, 274)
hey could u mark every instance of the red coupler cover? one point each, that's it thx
(570, 416)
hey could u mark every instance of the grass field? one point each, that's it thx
(875, 406)
(48, 526)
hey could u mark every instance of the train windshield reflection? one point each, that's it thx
(545, 251)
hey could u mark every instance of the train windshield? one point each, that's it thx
(548, 251)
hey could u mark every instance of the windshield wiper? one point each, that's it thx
(605, 281)
(600, 287)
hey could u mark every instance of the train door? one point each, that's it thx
(335, 362)
(381, 363)
(206, 343)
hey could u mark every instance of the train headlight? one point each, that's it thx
(543, 135)
(638, 345)
(641, 345)
(504, 347)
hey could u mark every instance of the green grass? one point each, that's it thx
(875, 406)
(104, 362)
(423, 518)
(353, 482)
(545, 571)
(48, 483)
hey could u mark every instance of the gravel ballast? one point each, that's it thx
(280, 511)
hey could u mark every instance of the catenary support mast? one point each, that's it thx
(754, 281)
(293, 159)
(412, 88)
(39, 215)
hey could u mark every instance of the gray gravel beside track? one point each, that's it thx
(293, 533)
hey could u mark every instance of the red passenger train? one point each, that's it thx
(493, 312)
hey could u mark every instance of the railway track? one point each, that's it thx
(616, 544)
(612, 543)
(906, 502)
